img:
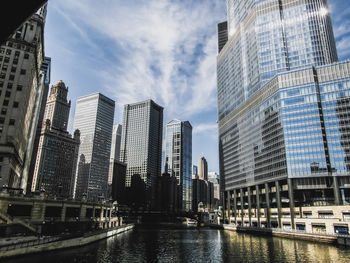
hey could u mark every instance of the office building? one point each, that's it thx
(222, 35)
(57, 155)
(141, 144)
(214, 178)
(178, 152)
(118, 191)
(46, 69)
(94, 119)
(22, 88)
(115, 149)
(203, 169)
(282, 115)
(194, 171)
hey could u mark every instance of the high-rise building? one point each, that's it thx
(57, 155)
(22, 88)
(214, 178)
(203, 169)
(141, 144)
(178, 152)
(46, 68)
(115, 149)
(194, 171)
(94, 118)
(222, 35)
(282, 113)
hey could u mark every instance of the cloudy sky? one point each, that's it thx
(160, 49)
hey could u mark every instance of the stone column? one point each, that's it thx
(267, 214)
(291, 201)
(249, 206)
(336, 191)
(278, 200)
(258, 203)
(242, 205)
(235, 204)
(63, 213)
(229, 206)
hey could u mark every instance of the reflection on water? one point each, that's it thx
(193, 245)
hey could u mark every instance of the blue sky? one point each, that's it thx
(160, 49)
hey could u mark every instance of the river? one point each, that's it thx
(192, 245)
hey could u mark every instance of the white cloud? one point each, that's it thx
(205, 128)
(166, 49)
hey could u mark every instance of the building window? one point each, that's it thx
(1, 58)
(1, 84)
(12, 122)
(10, 44)
(6, 60)
(15, 104)
(8, 52)
(2, 120)
(12, 77)
(13, 69)
(4, 67)
(2, 50)
(8, 94)
(346, 216)
(19, 87)
(26, 56)
(6, 102)
(23, 71)
(9, 85)
(2, 75)
(31, 27)
(325, 214)
(15, 61)
(3, 111)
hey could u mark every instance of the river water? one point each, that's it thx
(193, 245)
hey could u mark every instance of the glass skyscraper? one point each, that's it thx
(283, 112)
(141, 143)
(94, 116)
(178, 150)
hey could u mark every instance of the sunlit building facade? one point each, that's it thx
(94, 116)
(21, 93)
(178, 151)
(283, 118)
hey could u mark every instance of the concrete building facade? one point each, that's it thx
(56, 161)
(22, 86)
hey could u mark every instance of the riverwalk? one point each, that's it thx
(25, 246)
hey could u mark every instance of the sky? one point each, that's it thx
(163, 50)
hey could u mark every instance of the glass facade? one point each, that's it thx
(141, 143)
(178, 150)
(266, 38)
(283, 103)
(94, 118)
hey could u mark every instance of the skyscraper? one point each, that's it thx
(57, 156)
(22, 85)
(178, 151)
(94, 118)
(141, 144)
(46, 68)
(279, 93)
(203, 169)
(115, 149)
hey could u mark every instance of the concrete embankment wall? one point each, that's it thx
(67, 243)
(285, 234)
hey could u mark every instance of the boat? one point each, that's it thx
(192, 222)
